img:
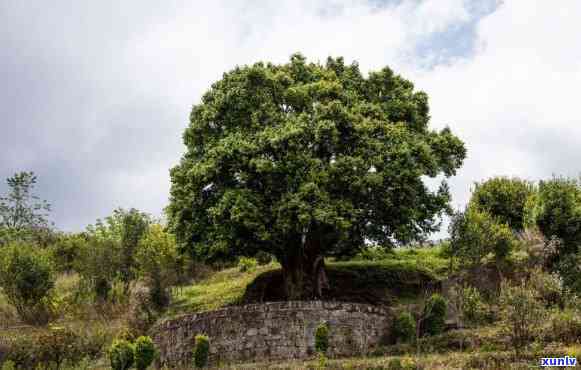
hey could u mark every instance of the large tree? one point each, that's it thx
(304, 161)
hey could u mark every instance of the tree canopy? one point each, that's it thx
(304, 160)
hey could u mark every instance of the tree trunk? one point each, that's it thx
(303, 271)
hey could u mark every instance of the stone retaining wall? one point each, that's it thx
(273, 331)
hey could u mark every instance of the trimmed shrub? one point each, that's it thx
(144, 352)
(322, 338)
(404, 327)
(121, 355)
(435, 315)
(201, 351)
(246, 264)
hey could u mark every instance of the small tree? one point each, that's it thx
(557, 213)
(504, 198)
(435, 315)
(322, 338)
(522, 314)
(156, 257)
(121, 354)
(98, 264)
(27, 279)
(22, 213)
(474, 234)
(201, 351)
(144, 352)
(404, 327)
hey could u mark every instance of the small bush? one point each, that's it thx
(565, 326)
(549, 287)
(522, 314)
(263, 258)
(322, 338)
(404, 327)
(434, 321)
(472, 307)
(121, 355)
(201, 351)
(246, 264)
(57, 346)
(144, 352)
(27, 279)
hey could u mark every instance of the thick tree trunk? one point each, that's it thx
(303, 271)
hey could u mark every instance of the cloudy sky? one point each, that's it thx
(94, 95)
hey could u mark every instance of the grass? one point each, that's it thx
(221, 289)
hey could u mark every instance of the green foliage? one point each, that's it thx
(558, 213)
(521, 312)
(471, 306)
(284, 155)
(321, 361)
(156, 257)
(23, 216)
(565, 326)
(144, 352)
(434, 316)
(474, 234)
(27, 279)
(322, 338)
(66, 250)
(134, 225)
(201, 351)
(404, 327)
(503, 198)
(98, 264)
(549, 287)
(121, 354)
(374, 253)
(570, 271)
(263, 258)
(246, 264)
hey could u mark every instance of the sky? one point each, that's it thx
(94, 96)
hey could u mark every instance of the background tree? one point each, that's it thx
(22, 214)
(504, 198)
(302, 161)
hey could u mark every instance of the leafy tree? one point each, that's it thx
(98, 263)
(503, 198)
(304, 161)
(156, 257)
(22, 214)
(434, 315)
(558, 213)
(474, 234)
(27, 279)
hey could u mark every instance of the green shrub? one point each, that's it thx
(570, 270)
(504, 198)
(322, 338)
(404, 327)
(434, 318)
(27, 279)
(246, 264)
(144, 352)
(549, 287)
(471, 305)
(156, 257)
(66, 250)
(263, 258)
(22, 353)
(8, 365)
(521, 313)
(121, 355)
(201, 351)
